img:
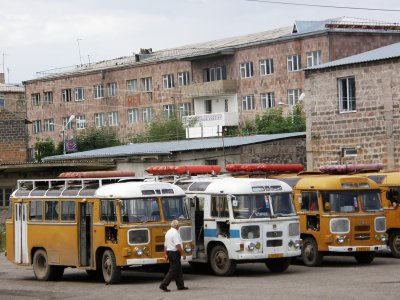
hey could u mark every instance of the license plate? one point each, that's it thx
(363, 249)
(275, 255)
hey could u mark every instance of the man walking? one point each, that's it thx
(173, 252)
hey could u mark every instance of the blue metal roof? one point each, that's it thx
(387, 52)
(166, 148)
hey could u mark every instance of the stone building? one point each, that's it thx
(353, 110)
(209, 85)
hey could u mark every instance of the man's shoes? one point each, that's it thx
(183, 288)
(164, 288)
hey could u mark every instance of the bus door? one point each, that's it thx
(20, 233)
(85, 234)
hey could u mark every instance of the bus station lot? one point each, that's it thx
(337, 278)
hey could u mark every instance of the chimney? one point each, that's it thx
(2, 79)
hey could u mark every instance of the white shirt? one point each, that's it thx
(172, 239)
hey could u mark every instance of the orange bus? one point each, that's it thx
(101, 225)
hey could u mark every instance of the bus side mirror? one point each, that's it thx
(192, 201)
(327, 206)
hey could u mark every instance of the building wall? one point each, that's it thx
(373, 130)
(332, 46)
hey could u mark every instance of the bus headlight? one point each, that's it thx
(380, 237)
(139, 251)
(341, 239)
(188, 248)
(251, 246)
(295, 244)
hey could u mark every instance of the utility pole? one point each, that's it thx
(79, 50)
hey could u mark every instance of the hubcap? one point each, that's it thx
(107, 265)
(309, 252)
(220, 259)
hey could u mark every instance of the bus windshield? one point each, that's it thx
(140, 210)
(347, 201)
(174, 208)
(262, 205)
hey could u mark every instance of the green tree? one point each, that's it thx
(43, 149)
(95, 138)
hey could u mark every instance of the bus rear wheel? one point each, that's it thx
(394, 244)
(278, 265)
(220, 262)
(364, 258)
(310, 254)
(111, 272)
(42, 270)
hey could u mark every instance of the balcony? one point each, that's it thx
(212, 120)
(209, 89)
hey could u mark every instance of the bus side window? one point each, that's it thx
(108, 211)
(35, 210)
(51, 210)
(68, 211)
(305, 201)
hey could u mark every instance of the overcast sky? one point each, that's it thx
(39, 35)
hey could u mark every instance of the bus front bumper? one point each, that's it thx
(356, 248)
(151, 261)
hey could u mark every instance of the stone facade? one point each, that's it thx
(331, 44)
(371, 132)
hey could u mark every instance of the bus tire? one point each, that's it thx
(364, 258)
(394, 244)
(42, 270)
(111, 272)
(278, 265)
(220, 262)
(310, 254)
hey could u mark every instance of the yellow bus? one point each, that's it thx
(338, 214)
(101, 225)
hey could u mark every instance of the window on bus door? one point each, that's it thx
(108, 211)
(340, 201)
(251, 206)
(68, 211)
(51, 211)
(174, 208)
(309, 201)
(140, 210)
(36, 210)
(219, 207)
(370, 201)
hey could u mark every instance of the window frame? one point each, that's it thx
(131, 86)
(133, 115)
(293, 96)
(293, 63)
(147, 114)
(183, 78)
(99, 120)
(35, 97)
(48, 125)
(48, 97)
(112, 89)
(313, 58)
(79, 93)
(267, 100)
(80, 122)
(266, 66)
(168, 81)
(146, 84)
(66, 95)
(246, 70)
(98, 91)
(350, 101)
(113, 118)
(36, 126)
(248, 103)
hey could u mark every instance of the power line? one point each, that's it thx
(325, 6)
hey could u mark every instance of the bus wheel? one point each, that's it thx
(394, 244)
(43, 271)
(278, 265)
(111, 272)
(310, 254)
(220, 262)
(364, 258)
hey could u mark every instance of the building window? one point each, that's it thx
(35, 99)
(211, 162)
(168, 81)
(133, 115)
(98, 91)
(169, 111)
(212, 74)
(147, 114)
(248, 103)
(113, 118)
(293, 63)
(99, 120)
(36, 126)
(246, 70)
(266, 66)
(146, 84)
(79, 94)
(347, 94)
(183, 78)
(48, 125)
(226, 105)
(207, 106)
(48, 98)
(66, 95)
(1, 102)
(80, 122)
(131, 86)
(313, 58)
(346, 152)
(67, 125)
(5, 194)
(293, 96)
(112, 89)
(267, 100)
(185, 109)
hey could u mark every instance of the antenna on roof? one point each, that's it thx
(79, 50)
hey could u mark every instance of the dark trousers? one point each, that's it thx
(174, 271)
